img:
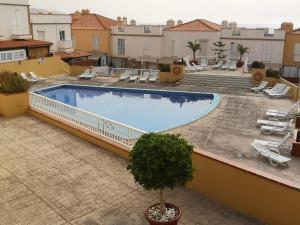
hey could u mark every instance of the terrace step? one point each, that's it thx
(222, 81)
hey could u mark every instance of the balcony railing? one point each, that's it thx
(110, 129)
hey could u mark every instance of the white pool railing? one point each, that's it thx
(110, 129)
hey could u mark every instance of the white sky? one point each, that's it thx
(248, 13)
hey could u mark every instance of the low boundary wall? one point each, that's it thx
(249, 191)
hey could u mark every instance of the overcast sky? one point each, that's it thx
(251, 12)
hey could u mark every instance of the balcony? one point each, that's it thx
(66, 46)
(20, 33)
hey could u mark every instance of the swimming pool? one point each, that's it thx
(144, 109)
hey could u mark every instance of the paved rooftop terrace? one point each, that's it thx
(49, 177)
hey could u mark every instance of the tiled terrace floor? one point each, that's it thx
(49, 177)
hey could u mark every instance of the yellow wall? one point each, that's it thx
(289, 47)
(14, 104)
(51, 66)
(245, 190)
(84, 40)
(166, 77)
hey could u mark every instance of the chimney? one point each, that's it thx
(124, 20)
(132, 22)
(179, 22)
(76, 15)
(119, 21)
(224, 24)
(170, 23)
(85, 11)
(287, 27)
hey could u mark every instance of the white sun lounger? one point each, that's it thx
(277, 88)
(25, 77)
(124, 76)
(87, 74)
(282, 93)
(273, 123)
(225, 66)
(34, 76)
(265, 129)
(232, 66)
(282, 145)
(291, 109)
(133, 78)
(203, 63)
(218, 65)
(144, 77)
(154, 76)
(260, 87)
(273, 155)
(197, 67)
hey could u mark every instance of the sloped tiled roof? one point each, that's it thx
(76, 54)
(92, 21)
(22, 43)
(196, 25)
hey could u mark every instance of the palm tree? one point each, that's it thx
(242, 50)
(194, 46)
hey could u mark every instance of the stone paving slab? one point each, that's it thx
(48, 176)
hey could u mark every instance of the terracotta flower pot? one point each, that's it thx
(173, 222)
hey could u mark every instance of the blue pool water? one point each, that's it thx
(148, 110)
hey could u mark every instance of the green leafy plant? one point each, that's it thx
(160, 161)
(258, 65)
(242, 50)
(12, 83)
(194, 46)
(273, 73)
(219, 50)
(164, 67)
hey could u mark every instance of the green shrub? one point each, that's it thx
(258, 65)
(165, 67)
(12, 83)
(273, 73)
(160, 161)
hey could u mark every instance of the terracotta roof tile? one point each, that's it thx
(76, 54)
(22, 43)
(196, 25)
(92, 21)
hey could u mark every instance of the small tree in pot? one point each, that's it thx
(242, 50)
(157, 162)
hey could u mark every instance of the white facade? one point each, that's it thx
(138, 41)
(175, 43)
(263, 46)
(14, 17)
(52, 27)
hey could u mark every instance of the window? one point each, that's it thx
(172, 47)
(121, 29)
(147, 29)
(62, 35)
(297, 53)
(121, 46)
(96, 42)
(147, 44)
(41, 35)
(10, 56)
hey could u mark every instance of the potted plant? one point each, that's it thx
(13, 94)
(194, 46)
(258, 72)
(158, 162)
(242, 50)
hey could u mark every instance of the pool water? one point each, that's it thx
(147, 110)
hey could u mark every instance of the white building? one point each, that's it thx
(142, 43)
(14, 17)
(263, 45)
(53, 27)
(176, 38)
